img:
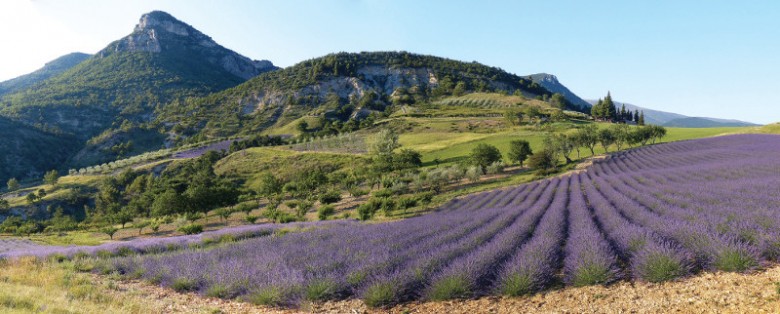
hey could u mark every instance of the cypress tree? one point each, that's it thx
(623, 114)
(610, 111)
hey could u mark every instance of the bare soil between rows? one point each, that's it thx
(756, 292)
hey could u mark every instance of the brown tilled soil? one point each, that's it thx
(758, 292)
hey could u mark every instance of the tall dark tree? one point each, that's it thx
(623, 113)
(610, 111)
(641, 120)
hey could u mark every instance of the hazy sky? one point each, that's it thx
(699, 58)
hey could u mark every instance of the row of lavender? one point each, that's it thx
(654, 213)
(13, 248)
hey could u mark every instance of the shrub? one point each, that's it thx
(407, 202)
(495, 168)
(251, 219)
(388, 206)
(425, 197)
(365, 211)
(473, 173)
(191, 229)
(357, 192)
(330, 197)
(325, 211)
(383, 193)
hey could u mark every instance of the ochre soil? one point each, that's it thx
(757, 292)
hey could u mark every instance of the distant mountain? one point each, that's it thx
(677, 120)
(551, 83)
(339, 86)
(105, 100)
(51, 69)
(699, 122)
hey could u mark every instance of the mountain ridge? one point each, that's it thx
(671, 119)
(49, 70)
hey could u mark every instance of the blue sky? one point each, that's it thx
(699, 58)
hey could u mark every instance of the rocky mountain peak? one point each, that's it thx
(159, 20)
(160, 32)
(546, 77)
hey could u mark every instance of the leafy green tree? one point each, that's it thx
(588, 136)
(621, 135)
(460, 89)
(32, 198)
(154, 225)
(557, 115)
(641, 120)
(269, 185)
(563, 144)
(109, 231)
(51, 177)
(658, 132)
(4, 206)
(533, 112)
(558, 101)
(606, 138)
(407, 159)
(13, 184)
(302, 126)
(141, 224)
(519, 150)
(513, 117)
(224, 213)
(484, 155)
(382, 147)
(544, 161)
(168, 203)
(123, 217)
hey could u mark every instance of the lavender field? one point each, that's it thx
(650, 214)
